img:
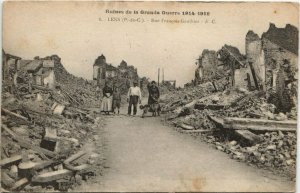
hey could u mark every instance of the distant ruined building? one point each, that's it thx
(270, 64)
(123, 74)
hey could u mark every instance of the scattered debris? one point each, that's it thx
(44, 127)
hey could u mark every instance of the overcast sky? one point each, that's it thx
(73, 31)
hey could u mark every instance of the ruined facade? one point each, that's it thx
(40, 72)
(206, 67)
(255, 55)
(99, 68)
(274, 58)
(233, 65)
(226, 62)
(280, 46)
(121, 76)
(127, 71)
(9, 66)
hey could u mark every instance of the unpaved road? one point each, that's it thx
(146, 155)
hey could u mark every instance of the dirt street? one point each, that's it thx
(146, 155)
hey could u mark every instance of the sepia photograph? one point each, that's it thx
(149, 96)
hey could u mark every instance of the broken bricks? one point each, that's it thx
(256, 133)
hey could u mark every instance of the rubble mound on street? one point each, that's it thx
(49, 137)
(238, 122)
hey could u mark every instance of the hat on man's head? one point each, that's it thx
(153, 82)
(135, 82)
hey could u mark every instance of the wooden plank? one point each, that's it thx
(43, 164)
(197, 131)
(10, 160)
(36, 165)
(287, 123)
(56, 175)
(259, 128)
(75, 156)
(260, 124)
(72, 158)
(15, 115)
(22, 142)
(250, 137)
(254, 124)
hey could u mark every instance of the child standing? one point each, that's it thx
(116, 100)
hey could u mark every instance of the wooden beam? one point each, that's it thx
(197, 131)
(15, 115)
(260, 124)
(75, 156)
(44, 164)
(259, 128)
(22, 142)
(255, 124)
(10, 160)
(56, 175)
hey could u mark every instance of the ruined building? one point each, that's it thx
(274, 58)
(270, 64)
(19, 71)
(120, 76)
(207, 65)
(233, 64)
(99, 68)
(214, 65)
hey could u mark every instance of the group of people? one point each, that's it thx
(111, 101)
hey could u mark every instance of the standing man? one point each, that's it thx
(134, 96)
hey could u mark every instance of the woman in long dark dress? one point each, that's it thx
(106, 104)
(153, 93)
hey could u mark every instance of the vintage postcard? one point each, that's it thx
(102, 96)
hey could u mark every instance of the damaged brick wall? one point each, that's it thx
(255, 54)
(280, 46)
(207, 66)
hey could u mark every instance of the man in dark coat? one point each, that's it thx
(153, 93)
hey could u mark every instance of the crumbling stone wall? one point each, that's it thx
(209, 63)
(255, 55)
(275, 57)
(207, 66)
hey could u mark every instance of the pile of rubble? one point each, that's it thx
(238, 122)
(49, 140)
(78, 90)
